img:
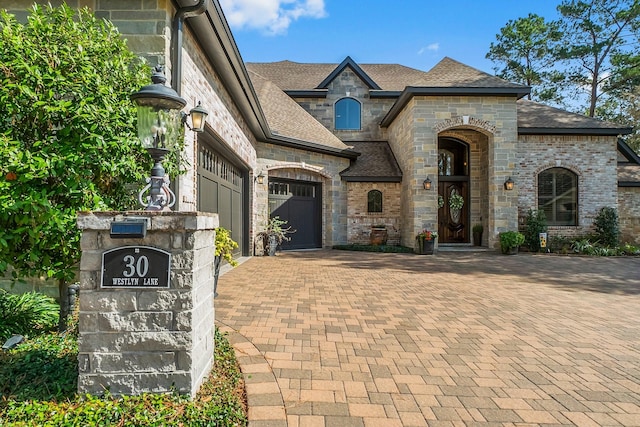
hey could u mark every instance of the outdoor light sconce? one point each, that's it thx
(159, 124)
(508, 184)
(198, 118)
(426, 184)
(260, 178)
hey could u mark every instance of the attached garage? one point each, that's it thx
(299, 203)
(222, 186)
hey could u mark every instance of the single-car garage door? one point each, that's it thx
(299, 203)
(220, 190)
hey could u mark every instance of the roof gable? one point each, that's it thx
(348, 62)
(449, 73)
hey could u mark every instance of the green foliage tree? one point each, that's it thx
(67, 134)
(536, 224)
(597, 34)
(606, 227)
(524, 52)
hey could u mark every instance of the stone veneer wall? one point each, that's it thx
(148, 340)
(629, 214)
(414, 139)
(373, 110)
(360, 221)
(291, 163)
(200, 82)
(592, 158)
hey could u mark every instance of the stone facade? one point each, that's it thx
(629, 214)
(361, 221)
(593, 159)
(348, 85)
(276, 161)
(489, 125)
(136, 340)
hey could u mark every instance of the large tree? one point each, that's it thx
(67, 134)
(597, 34)
(524, 53)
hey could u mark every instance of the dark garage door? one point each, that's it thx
(299, 203)
(220, 190)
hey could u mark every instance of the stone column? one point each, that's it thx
(147, 339)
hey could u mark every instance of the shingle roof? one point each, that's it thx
(448, 73)
(451, 73)
(535, 118)
(288, 119)
(629, 175)
(376, 163)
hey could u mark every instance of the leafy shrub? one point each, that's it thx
(560, 244)
(510, 239)
(536, 224)
(607, 228)
(29, 314)
(45, 368)
(220, 401)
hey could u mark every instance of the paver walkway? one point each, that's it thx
(336, 338)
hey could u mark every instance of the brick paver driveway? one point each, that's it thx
(362, 339)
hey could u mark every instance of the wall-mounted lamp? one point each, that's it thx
(198, 117)
(426, 184)
(508, 184)
(260, 178)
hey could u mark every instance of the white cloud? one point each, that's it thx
(433, 47)
(272, 16)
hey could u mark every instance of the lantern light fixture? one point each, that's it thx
(508, 184)
(198, 118)
(159, 124)
(426, 184)
(260, 178)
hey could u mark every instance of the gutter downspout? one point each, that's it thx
(176, 40)
(175, 56)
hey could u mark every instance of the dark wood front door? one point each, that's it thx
(453, 221)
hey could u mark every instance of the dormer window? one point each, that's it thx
(347, 114)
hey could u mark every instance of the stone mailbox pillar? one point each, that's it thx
(146, 303)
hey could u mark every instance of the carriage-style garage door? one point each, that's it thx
(299, 203)
(220, 190)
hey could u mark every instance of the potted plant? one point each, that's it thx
(510, 241)
(223, 250)
(378, 235)
(425, 241)
(275, 234)
(477, 234)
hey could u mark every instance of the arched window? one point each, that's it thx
(558, 196)
(374, 201)
(347, 111)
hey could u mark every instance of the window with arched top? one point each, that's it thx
(347, 114)
(558, 196)
(374, 201)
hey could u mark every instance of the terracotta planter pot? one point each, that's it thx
(378, 236)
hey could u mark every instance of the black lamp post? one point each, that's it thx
(159, 123)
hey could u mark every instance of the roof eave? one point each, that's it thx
(573, 131)
(372, 178)
(628, 183)
(311, 146)
(307, 93)
(411, 91)
(627, 152)
(216, 41)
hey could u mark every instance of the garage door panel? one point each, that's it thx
(299, 204)
(220, 190)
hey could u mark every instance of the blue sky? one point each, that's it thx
(415, 33)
